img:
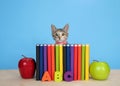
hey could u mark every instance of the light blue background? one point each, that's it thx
(24, 23)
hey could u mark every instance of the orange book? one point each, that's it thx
(75, 62)
(79, 61)
(49, 60)
(53, 61)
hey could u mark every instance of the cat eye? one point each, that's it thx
(63, 34)
(56, 34)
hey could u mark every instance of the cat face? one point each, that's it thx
(60, 35)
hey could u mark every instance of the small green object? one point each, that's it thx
(99, 70)
(58, 76)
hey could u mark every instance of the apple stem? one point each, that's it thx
(24, 56)
(96, 60)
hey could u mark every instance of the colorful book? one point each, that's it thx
(49, 59)
(83, 62)
(75, 62)
(52, 61)
(87, 56)
(37, 62)
(79, 61)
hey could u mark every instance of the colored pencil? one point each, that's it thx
(49, 59)
(61, 58)
(57, 58)
(75, 62)
(53, 61)
(64, 58)
(83, 62)
(68, 60)
(45, 57)
(79, 61)
(37, 62)
(87, 56)
(41, 61)
(72, 57)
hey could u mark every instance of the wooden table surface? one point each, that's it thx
(12, 78)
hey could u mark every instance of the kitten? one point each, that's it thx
(60, 35)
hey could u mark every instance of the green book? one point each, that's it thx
(83, 62)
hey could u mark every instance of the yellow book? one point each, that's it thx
(61, 58)
(87, 57)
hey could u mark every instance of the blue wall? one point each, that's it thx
(23, 23)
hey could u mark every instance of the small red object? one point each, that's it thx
(26, 67)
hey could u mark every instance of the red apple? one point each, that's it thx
(26, 67)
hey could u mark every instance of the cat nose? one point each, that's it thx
(59, 38)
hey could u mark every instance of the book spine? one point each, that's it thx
(37, 62)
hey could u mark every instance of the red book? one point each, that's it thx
(49, 60)
(75, 62)
(52, 61)
(79, 61)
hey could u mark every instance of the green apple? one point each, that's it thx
(99, 70)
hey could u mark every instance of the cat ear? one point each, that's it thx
(66, 28)
(53, 28)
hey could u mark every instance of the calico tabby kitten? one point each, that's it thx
(60, 35)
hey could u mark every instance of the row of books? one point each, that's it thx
(62, 62)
